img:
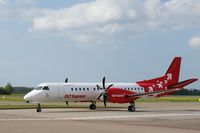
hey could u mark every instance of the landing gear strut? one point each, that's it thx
(131, 107)
(67, 103)
(92, 106)
(38, 108)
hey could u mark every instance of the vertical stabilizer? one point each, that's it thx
(173, 71)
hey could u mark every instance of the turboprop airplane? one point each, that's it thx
(110, 92)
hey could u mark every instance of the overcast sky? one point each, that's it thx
(84, 40)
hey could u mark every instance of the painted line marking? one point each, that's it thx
(99, 117)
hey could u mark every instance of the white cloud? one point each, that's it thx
(172, 12)
(85, 15)
(194, 42)
(99, 18)
(117, 14)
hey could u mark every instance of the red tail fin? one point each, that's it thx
(170, 77)
(173, 71)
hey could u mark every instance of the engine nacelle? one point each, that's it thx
(116, 95)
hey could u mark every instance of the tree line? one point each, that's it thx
(194, 92)
(9, 89)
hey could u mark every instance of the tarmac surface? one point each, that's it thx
(149, 117)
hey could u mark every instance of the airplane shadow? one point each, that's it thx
(84, 110)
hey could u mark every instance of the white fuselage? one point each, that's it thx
(82, 92)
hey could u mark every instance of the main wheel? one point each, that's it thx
(131, 108)
(92, 106)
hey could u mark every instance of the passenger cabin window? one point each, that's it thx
(88, 89)
(72, 89)
(45, 88)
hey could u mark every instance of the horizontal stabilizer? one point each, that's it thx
(182, 84)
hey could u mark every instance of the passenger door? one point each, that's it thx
(54, 93)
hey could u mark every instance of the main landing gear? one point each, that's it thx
(131, 107)
(39, 109)
(67, 103)
(92, 106)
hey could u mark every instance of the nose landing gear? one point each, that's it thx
(39, 109)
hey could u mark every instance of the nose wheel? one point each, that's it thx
(39, 109)
(92, 106)
(131, 107)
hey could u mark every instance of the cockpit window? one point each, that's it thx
(38, 88)
(45, 88)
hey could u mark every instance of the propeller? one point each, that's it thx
(66, 80)
(104, 93)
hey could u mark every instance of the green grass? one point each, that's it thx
(180, 99)
(13, 97)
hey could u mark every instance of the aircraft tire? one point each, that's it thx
(39, 108)
(131, 108)
(92, 106)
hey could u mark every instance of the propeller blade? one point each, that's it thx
(109, 87)
(103, 82)
(66, 80)
(98, 87)
(104, 99)
(99, 96)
